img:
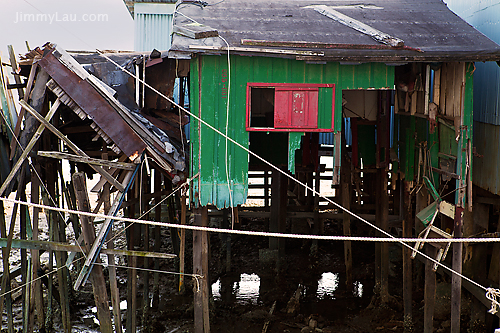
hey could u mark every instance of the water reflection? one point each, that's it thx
(245, 291)
(327, 285)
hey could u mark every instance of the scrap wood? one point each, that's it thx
(293, 303)
(266, 324)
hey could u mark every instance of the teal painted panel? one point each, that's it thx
(294, 140)
(209, 153)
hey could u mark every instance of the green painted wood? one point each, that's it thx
(294, 140)
(208, 154)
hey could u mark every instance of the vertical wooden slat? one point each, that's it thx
(407, 262)
(200, 266)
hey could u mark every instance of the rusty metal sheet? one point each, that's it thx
(95, 106)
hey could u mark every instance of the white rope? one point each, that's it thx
(265, 233)
(492, 295)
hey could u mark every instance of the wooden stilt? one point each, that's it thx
(407, 262)
(6, 276)
(316, 228)
(345, 188)
(429, 290)
(383, 214)
(132, 272)
(182, 248)
(156, 276)
(200, 266)
(456, 281)
(277, 221)
(113, 283)
(36, 291)
(97, 276)
(145, 232)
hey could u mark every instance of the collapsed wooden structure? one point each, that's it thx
(84, 113)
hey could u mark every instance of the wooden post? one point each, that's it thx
(383, 215)
(36, 287)
(407, 262)
(113, 283)
(200, 266)
(429, 290)
(316, 228)
(146, 186)
(182, 249)
(96, 276)
(132, 262)
(156, 276)
(277, 222)
(456, 281)
(345, 188)
(6, 269)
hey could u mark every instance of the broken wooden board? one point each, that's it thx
(377, 35)
(89, 160)
(196, 31)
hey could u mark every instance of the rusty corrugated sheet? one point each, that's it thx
(88, 99)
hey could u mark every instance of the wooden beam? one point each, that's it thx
(88, 160)
(30, 146)
(195, 31)
(17, 128)
(407, 262)
(378, 35)
(255, 50)
(200, 266)
(71, 145)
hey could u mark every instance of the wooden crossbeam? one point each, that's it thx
(88, 160)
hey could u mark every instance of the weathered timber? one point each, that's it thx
(6, 276)
(429, 290)
(456, 281)
(195, 31)
(113, 282)
(88, 160)
(345, 181)
(378, 35)
(97, 276)
(182, 248)
(17, 128)
(200, 266)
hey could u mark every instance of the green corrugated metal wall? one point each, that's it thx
(208, 100)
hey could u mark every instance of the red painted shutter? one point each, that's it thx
(296, 108)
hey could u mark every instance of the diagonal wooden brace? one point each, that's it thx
(71, 145)
(31, 144)
(96, 247)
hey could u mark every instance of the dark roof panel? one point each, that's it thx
(426, 25)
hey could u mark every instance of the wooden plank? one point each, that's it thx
(254, 50)
(345, 179)
(88, 160)
(113, 282)
(97, 276)
(182, 248)
(378, 35)
(429, 290)
(195, 31)
(20, 117)
(384, 247)
(71, 145)
(17, 77)
(96, 246)
(30, 146)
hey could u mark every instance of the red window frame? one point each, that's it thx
(289, 93)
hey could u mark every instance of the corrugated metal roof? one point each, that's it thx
(427, 25)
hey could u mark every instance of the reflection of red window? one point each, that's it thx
(285, 106)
